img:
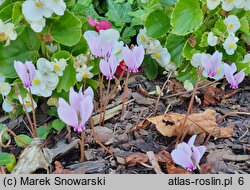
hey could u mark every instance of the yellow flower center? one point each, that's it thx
(157, 56)
(119, 52)
(38, 4)
(231, 26)
(36, 82)
(3, 37)
(231, 46)
(143, 38)
(57, 67)
(230, 1)
(85, 75)
(28, 104)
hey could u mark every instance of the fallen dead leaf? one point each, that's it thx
(136, 158)
(104, 134)
(139, 99)
(212, 95)
(172, 169)
(205, 168)
(164, 157)
(198, 123)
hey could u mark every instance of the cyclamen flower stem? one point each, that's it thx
(33, 113)
(183, 133)
(96, 138)
(100, 88)
(124, 94)
(106, 102)
(82, 147)
(84, 84)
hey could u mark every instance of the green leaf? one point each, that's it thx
(127, 34)
(93, 83)
(69, 75)
(17, 15)
(187, 73)
(150, 67)
(187, 17)
(58, 125)
(24, 138)
(244, 25)
(80, 47)
(4, 135)
(157, 24)
(44, 131)
(67, 29)
(189, 51)
(219, 28)
(24, 48)
(7, 160)
(175, 45)
(6, 12)
(118, 13)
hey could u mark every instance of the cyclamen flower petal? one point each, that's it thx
(86, 109)
(108, 68)
(133, 58)
(233, 80)
(187, 155)
(26, 72)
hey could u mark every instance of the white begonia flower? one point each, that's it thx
(5, 88)
(26, 102)
(58, 6)
(230, 44)
(142, 38)
(247, 5)
(228, 5)
(153, 47)
(7, 105)
(196, 59)
(7, 32)
(39, 86)
(233, 23)
(51, 48)
(246, 59)
(162, 57)
(212, 4)
(212, 39)
(80, 61)
(117, 50)
(35, 10)
(83, 73)
(59, 66)
(37, 25)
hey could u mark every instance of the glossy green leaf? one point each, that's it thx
(150, 67)
(118, 13)
(187, 16)
(58, 125)
(24, 48)
(157, 24)
(175, 45)
(44, 131)
(24, 138)
(8, 160)
(67, 29)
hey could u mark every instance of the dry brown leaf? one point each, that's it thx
(212, 95)
(136, 158)
(205, 168)
(60, 170)
(205, 122)
(164, 157)
(172, 169)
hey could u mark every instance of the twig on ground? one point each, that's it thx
(232, 113)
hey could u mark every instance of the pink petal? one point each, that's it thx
(185, 148)
(113, 63)
(31, 69)
(233, 68)
(103, 25)
(104, 68)
(22, 72)
(182, 159)
(74, 99)
(89, 92)
(95, 45)
(206, 63)
(192, 140)
(91, 21)
(202, 150)
(128, 57)
(239, 76)
(67, 113)
(229, 75)
(139, 55)
(107, 48)
(216, 60)
(86, 109)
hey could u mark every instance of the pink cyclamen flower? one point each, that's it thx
(108, 68)
(213, 66)
(233, 80)
(187, 155)
(101, 25)
(77, 113)
(133, 58)
(26, 71)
